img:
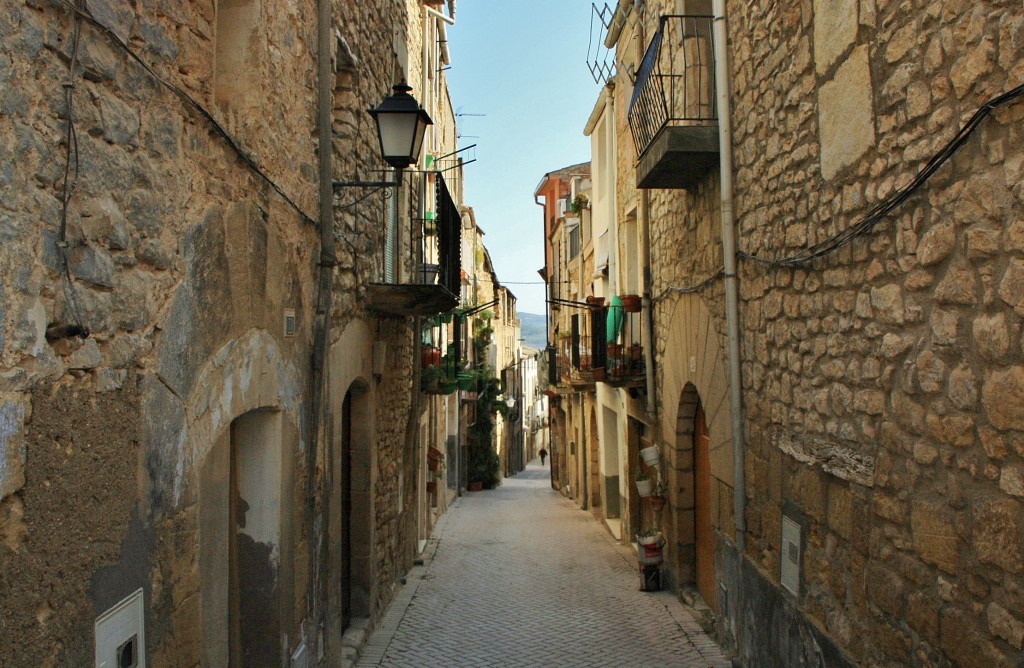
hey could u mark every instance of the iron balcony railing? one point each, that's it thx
(675, 83)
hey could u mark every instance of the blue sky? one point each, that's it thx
(523, 64)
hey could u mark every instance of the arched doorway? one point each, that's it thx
(243, 483)
(692, 506)
(350, 509)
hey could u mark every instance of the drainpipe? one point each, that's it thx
(645, 246)
(731, 280)
(322, 319)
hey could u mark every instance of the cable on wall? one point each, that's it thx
(192, 102)
(867, 224)
(67, 188)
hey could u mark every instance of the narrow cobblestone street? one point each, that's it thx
(518, 577)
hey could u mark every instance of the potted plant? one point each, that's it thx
(630, 303)
(431, 357)
(580, 202)
(596, 302)
(433, 458)
(650, 455)
(428, 273)
(649, 536)
(644, 484)
(431, 487)
(657, 497)
(430, 380)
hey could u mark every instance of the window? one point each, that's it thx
(574, 240)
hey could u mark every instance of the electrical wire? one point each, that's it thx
(866, 224)
(68, 182)
(192, 102)
(698, 287)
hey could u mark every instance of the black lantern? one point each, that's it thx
(401, 124)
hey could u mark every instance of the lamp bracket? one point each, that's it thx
(366, 184)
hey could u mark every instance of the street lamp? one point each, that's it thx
(401, 125)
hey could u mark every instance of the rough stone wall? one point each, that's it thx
(183, 261)
(882, 383)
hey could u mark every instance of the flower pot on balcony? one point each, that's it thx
(428, 273)
(657, 501)
(596, 302)
(432, 487)
(650, 455)
(447, 386)
(599, 375)
(644, 486)
(631, 303)
(431, 357)
(636, 352)
(467, 381)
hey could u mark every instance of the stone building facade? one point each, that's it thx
(228, 460)
(878, 517)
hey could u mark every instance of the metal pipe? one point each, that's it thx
(648, 303)
(731, 279)
(322, 319)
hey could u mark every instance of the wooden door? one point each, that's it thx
(705, 538)
(345, 575)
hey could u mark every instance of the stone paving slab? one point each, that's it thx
(519, 577)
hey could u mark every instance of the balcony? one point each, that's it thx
(623, 343)
(672, 114)
(436, 286)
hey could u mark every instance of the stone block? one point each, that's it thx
(1005, 625)
(962, 641)
(1003, 397)
(1011, 479)
(845, 113)
(886, 590)
(835, 30)
(923, 614)
(887, 303)
(998, 536)
(840, 510)
(1011, 287)
(936, 244)
(958, 286)
(120, 121)
(991, 336)
(88, 356)
(92, 265)
(933, 528)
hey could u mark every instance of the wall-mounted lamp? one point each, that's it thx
(401, 125)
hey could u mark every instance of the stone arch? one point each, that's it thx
(239, 443)
(694, 373)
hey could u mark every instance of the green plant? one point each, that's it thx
(641, 476)
(580, 202)
(482, 461)
(649, 532)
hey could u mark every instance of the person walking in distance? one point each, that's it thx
(543, 453)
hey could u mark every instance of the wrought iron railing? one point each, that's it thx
(625, 341)
(675, 83)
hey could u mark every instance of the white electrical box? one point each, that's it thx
(790, 576)
(121, 634)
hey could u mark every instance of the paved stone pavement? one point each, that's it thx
(519, 577)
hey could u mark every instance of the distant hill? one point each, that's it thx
(533, 330)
